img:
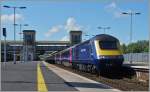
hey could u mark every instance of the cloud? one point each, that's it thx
(7, 18)
(72, 25)
(111, 5)
(65, 38)
(53, 30)
(114, 10)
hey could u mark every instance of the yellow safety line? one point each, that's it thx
(41, 83)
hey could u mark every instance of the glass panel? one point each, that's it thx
(108, 45)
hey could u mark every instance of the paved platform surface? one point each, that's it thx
(18, 77)
(28, 76)
(79, 82)
(23, 77)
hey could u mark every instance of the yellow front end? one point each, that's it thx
(107, 52)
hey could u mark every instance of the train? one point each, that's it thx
(96, 54)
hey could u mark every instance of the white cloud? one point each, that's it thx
(72, 25)
(53, 30)
(7, 18)
(111, 5)
(65, 38)
(114, 10)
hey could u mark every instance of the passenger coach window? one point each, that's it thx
(108, 45)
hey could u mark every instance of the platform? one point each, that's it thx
(40, 76)
(137, 66)
(141, 71)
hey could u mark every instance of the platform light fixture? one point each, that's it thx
(131, 13)
(14, 8)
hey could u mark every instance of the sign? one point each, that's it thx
(4, 32)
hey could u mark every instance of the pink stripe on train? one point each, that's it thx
(70, 55)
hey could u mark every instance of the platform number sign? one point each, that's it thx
(4, 32)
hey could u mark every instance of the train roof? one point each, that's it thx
(100, 37)
(104, 37)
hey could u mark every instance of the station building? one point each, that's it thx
(30, 49)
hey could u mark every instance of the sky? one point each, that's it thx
(53, 19)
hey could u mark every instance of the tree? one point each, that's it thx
(123, 48)
(137, 47)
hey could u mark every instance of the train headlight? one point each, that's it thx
(102, 57)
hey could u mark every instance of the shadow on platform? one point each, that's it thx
(87, 85)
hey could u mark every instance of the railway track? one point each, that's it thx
(124, 80)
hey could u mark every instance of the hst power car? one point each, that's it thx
(98, 53)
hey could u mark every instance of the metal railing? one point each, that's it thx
(137, 58)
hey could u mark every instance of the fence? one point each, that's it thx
(140, 58)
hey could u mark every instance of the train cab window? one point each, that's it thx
(108, 45)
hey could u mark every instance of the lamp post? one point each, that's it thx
(20, 25)
(4, 34)
(0, 28)
(131, 28)
(104, 28)
(14, 8)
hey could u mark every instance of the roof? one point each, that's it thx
(29, 31)
(105, 37)
(39, 42)
(78, 31)
(100, 37)
(53, 42)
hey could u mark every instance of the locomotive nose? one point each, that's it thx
(112, 57)
(115, 60)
